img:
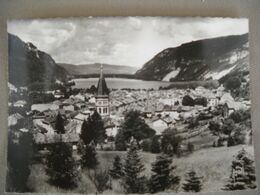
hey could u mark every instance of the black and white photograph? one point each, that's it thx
(129, 105)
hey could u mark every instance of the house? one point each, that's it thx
(58, 94)
(14, 118)
(19, 103)
(160, 124)
(212, 101)
(81, 116)
(111, 130)
(68, 107)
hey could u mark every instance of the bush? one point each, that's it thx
(100, 179)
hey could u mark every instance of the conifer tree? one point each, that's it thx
(162, 177)
(117, 170)
(19, 161)
(133, 181)
(98, 127)
(61, 166)
(93, 129)
(192, 182)
(155, 145)
(89, 158)
(120, 141)
(87, 133)
(242, 173)
(59, 124)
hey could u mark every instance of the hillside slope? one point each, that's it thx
(27, 64)
(88, 69)
(213, 164)
(199, 60)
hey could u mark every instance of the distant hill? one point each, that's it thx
(91, 69)
(27, 64)
(200, 60)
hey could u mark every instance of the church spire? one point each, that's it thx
(101, 71)
(102, 89)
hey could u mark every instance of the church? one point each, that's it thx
(102, 96)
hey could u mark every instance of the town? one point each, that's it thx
(129, 105)
(194, 115)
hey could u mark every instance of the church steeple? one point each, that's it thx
(102, 89)
(102, 97)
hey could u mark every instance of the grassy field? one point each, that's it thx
(211, 163)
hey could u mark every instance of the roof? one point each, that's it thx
(102, 89)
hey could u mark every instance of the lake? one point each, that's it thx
(119, 83)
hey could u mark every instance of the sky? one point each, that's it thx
(128, 41)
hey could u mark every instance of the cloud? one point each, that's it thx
(119, 40)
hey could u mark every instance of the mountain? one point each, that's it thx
(206, 59)
(89, 69)
(29, 65)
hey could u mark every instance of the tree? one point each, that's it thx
(87, 132)
(19, 160)
(233, 83)
(120, 141)
(89, 158)
(117, 171)
(61, 166)
(201, 101)
(240, 116)
(135, 126)
(97, 125)
(228, 126)
(242, 173)
(162, 177)
(93, 89)
(59, 124)
(188, 101)
(100, 179)
(171, 143)
(155, 145)
(192, 182)
(133, 182)
(93, 129)
(190, 147)
(215, 127)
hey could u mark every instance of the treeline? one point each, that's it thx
(127, 76)
(192, 84)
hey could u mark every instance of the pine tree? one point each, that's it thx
(133, 181)
(89, 158)
(242, 173)
(87, 133)
(162, 178)
(120, 141)
(117, 170)
(61, 166)
(193, 182)
(19, 161)
(59, 124)
(93, 129)
(98, 127)
(155, 145)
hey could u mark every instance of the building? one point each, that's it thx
(102, 96)
(160, 124)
